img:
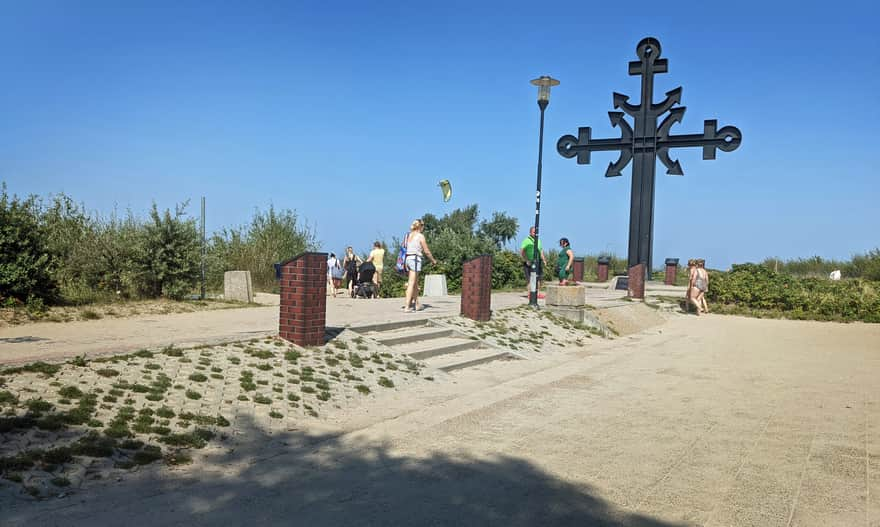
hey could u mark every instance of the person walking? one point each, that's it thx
(350, 264)
(416, 249)
(334, 274)
(702, 284)
(377, 258)
(565, 261)
(527, 253)
(691, 296)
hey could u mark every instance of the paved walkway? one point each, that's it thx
(710, 421)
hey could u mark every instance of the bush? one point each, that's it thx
(169, 255)
(865, 266)
(271, 237)
(26, 262)
(754, 287)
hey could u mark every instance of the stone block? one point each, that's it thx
(602, 271)
(435, 285)
(237, 286)
(476, 288)
(565, 295)
(636, 281)
(578, 269)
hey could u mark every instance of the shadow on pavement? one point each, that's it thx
(292, 478)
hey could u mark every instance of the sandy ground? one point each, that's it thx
(700, 421)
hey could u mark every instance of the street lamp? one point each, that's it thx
(544, 83)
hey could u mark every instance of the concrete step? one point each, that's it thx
(390, 326)
(441, 346)
(468, 358)
(409, 335)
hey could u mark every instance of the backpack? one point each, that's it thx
(400, 266)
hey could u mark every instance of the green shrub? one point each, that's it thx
(755, 287)
(271, 237)
(169, 258)
(26, 261)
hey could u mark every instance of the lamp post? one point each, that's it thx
(544, 83)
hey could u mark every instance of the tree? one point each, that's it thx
(500, 230)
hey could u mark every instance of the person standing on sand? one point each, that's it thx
(351, 263)
(334, 274)
(690, 298)
(702, 285)
(527, 253)
(416, 247)
(565, 261)
(377, 257)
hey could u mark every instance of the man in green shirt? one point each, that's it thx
(527, 253)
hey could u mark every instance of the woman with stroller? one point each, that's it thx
(350, 264)
(416, 248)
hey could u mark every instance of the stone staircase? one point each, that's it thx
(437, 346)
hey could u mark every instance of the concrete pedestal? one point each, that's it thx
(435, 285)
(237, 286)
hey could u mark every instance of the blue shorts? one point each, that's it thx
(414, 263)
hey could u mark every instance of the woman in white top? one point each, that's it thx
(416, 247)
(333, 269)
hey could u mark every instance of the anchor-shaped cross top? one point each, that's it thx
(644, 142)
(646, 136)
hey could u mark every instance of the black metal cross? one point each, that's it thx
(644, 142)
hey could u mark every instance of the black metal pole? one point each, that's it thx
(536, 252)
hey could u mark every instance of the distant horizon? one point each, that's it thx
(351, 115)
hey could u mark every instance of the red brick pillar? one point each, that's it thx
(671, 271)
(578, 269)
(636, 281)
(476, 288)
(303, 287)
(602, 265)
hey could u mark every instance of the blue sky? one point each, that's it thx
(351, 112)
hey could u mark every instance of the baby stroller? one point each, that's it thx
(364, 287)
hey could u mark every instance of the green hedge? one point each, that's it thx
(754, 289)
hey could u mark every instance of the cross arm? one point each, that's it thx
(726, 139)
(570, 146)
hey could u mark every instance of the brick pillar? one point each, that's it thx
(602, 265)
(671, 270)
(303, 310)
(476, 288)
(636, 282)
(578, 269)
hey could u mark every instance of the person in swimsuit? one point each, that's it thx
(377, 257)
(702, 285)
(416, 248)
(691, 289)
